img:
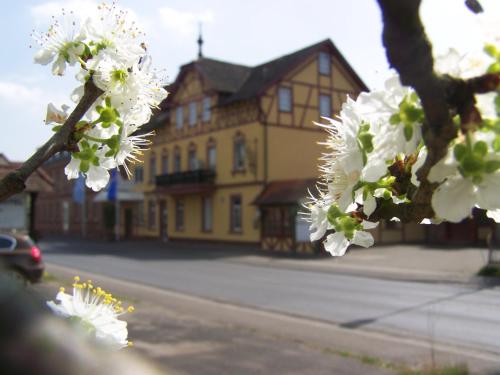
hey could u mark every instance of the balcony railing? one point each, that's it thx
(199, 176)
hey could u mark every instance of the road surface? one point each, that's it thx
(459, 314)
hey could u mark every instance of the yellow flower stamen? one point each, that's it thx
(61, 289)
(130, 309)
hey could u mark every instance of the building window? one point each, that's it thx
(151, 214)
(152, 168)
(192, 160)
(212, 157)
(239, 153)
(177, 160)
(206, 109)
(277, 222)
(207, 214)
(179, 215)
(164, 162)
(325, 106)
(236, 225)
(179, 118)
(285, 99)
(138, 174)
(324, 63)
(192, 113)
(140, 215)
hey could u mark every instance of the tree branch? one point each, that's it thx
(14, 182)
(410, 53)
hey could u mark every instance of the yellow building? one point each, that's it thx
(236, 148)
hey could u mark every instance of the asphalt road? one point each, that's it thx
(459, 314)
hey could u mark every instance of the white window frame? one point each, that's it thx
(324, 63)
(193, 114)
(325, 99)
(285, 99)
(206, 115)
(179, 117)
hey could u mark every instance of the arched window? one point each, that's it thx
(177, 159)
(211, 154)
(239, 152)
(164, 162)
(192, 159)
(152, 168)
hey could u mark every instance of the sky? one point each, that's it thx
(248, 33)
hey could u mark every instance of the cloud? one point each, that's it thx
(184, 23)
(18, 94)
(43, 13)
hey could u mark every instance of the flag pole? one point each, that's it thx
(117, 218)
(84, 214)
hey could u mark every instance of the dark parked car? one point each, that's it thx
(21, 257)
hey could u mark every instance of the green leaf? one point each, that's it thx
(480, 148)
(408, 132)
(491, 50)
(472, 164)
(459, 151)
(56, 128)
(84, 166)
(333, 213)
(492, 166)
(395, 119)
(496, 144)
(494, 68)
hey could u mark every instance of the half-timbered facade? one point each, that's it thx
(232, 132)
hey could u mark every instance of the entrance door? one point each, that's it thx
(128, 222)
(163, 221)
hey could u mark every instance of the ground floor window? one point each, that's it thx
(179, 215)
(277, 222)
(207, 214)
(236, 213)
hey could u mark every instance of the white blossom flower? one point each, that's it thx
(319, 222)
(115, 31)
(62, 43)
(337, 243)
(131, 146)
(95, 312)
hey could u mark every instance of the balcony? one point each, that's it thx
(189, 182)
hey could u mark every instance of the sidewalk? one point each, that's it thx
(400, 262)
(411, 262)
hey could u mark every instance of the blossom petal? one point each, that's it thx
(369, 205)
(453, 200)
(362, 238)
(44, 56)
(336, 244)
(488, 192)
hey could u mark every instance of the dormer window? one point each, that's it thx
(179, 118)
(324, 63)
(192, 113)
(285, 99)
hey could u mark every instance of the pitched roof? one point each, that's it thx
(222, 76)
(242, 82)
(38, 181)
(285, 192)
(264, 75)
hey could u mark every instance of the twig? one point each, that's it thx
(14, 182)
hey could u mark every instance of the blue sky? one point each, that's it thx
(249, 32)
